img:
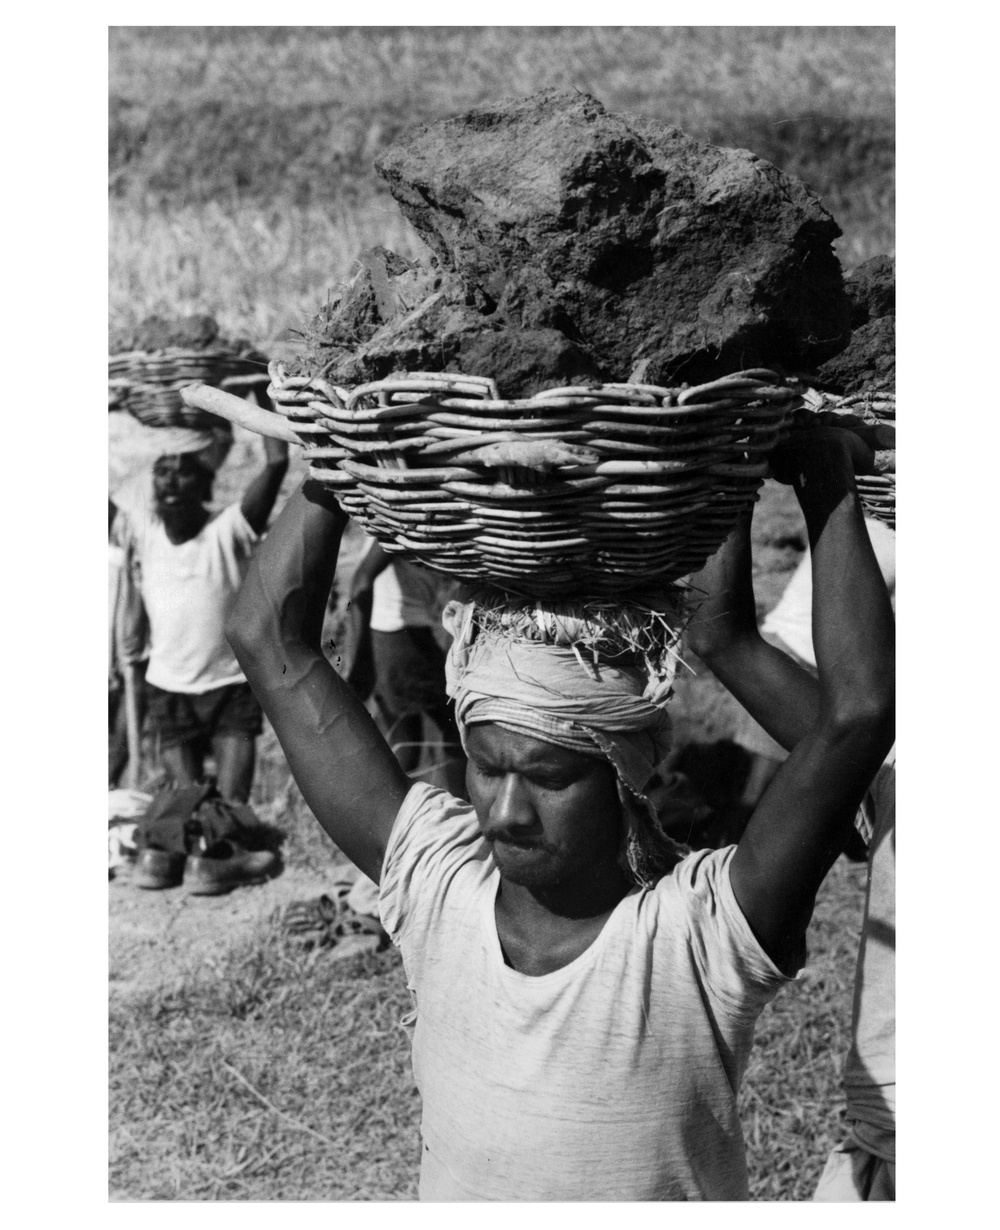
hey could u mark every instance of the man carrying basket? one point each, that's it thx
(191, 563)
(585, 989)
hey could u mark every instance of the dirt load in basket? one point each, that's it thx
(572, 244)
(868, 362)
(149, 363)
(549, 404)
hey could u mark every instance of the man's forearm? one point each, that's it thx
(723, 596)
(275, 452)
(853, 625)
(262, 491)
(777, 693)
(348, 776)
(282, 602)
(800, 824)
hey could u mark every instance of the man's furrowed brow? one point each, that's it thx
(549, 756)
(482, 757)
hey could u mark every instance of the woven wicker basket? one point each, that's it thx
(876, 413)
(579, 490)
(148, 384)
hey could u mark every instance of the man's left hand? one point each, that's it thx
(814, 438)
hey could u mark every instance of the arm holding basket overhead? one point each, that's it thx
(262, 490)
(343, 766)
(838, 728)
(260, 494)
(725, 634)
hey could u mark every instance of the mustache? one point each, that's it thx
(514, 838)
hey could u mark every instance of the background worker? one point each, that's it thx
(396, 607)
(586, 994)
(863, 1166)
(128, 648)
(191, 563)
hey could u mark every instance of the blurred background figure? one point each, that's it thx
(399, 661)
(127, 651)
(863, 1166)
(394, 619)
(189, 564)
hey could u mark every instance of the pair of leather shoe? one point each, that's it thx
(158, 868)
(219, 869)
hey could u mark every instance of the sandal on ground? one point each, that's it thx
(327, 920)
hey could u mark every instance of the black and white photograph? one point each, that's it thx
(501, 613)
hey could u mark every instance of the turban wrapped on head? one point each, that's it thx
(211, 446)
(564, 680)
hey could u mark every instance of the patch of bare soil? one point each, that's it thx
(156, 938)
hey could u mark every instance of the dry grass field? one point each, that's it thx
(241, 158)
(241, 185)
(263, 1073)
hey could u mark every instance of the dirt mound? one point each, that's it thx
(573, 244)
(398, 316)
(868, 362)
(196, 332)
(871, 288)
(391, 305)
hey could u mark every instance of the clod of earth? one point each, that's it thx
(196, 332)
(871, 288)
(868, 362)
(571, 244)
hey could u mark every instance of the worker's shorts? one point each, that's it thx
(176, 718)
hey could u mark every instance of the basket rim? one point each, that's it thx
(734, 384)
(545, 525)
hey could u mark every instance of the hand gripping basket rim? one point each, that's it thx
(877, 409)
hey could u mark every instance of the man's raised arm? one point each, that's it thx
(343, 766)
(723, 632)
(839, 730)
(262, 490)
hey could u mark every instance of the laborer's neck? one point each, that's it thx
(595, 891)
(540, 932)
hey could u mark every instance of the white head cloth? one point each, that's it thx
(212, 447)
(552, 692)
